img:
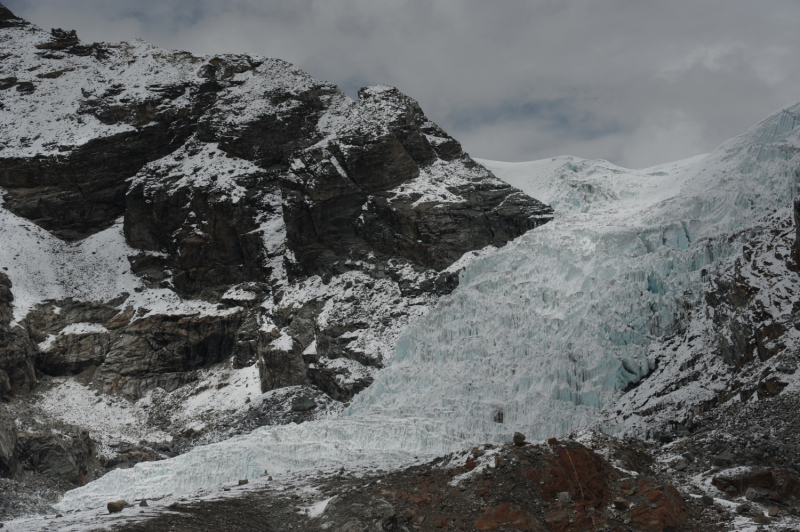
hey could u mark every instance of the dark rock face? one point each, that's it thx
(17, 353)
(342, 200)
(70, 354)
(60, 40)
(209, 226)
(133, 354)
(327, 380)
(54, 456)
(796, 211)
(774, 483)
(161, 350)
(281, 364)
(9, 19)
(79, 194)
(8, 439)
(751, 333)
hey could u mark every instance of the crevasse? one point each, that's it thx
(547, 330)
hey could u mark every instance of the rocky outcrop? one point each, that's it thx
(767, 484)
(129, 455)
(8, 440)
(392, 184)
(83, 192)
(162, 350)
(131, 352)
(62, 458)
(17, 353)
(280, 363)
(57, 457)
(734, 345)
(9, 19)
(209, 225)
(796, 213)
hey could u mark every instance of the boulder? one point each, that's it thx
(621, 504)
(722, 460)
(303, 404)
(664, 510)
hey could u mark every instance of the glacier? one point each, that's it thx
(542, 334)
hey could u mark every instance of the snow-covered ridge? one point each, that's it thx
(548, 330)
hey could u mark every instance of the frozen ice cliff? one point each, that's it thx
(544, 333)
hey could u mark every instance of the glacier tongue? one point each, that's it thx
(540, 334)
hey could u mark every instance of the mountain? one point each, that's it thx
(170, 220)
(219, 268)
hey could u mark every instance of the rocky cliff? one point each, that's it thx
(166, 213)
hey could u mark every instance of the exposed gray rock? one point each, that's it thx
(8, 440)
(63, 458)
(84, 192)
(162, 350)
(796, 211)
(303, 404)
(17, 352)
(280, 362)
(342, 201)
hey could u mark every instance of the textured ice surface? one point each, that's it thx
(548, 329)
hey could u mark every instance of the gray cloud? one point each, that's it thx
(637, 83)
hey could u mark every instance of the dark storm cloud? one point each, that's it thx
(633, 82)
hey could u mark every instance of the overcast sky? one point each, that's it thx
(635, 82)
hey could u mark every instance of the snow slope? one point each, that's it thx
(547, 330)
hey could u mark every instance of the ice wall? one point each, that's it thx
(547, 330)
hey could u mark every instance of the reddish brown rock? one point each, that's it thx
(507, 515)
(579, 471)
(669, 510)
(470, 465)
(557, 521)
